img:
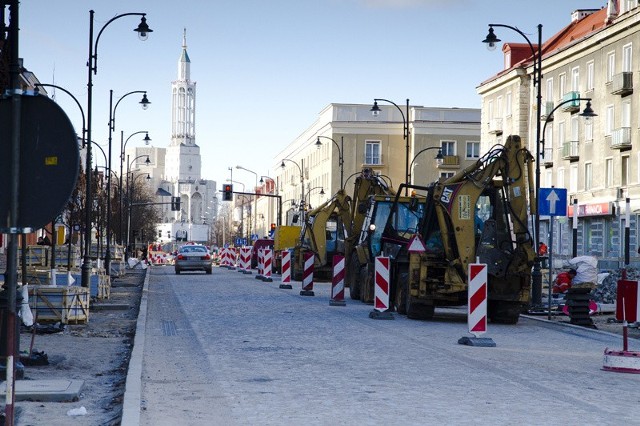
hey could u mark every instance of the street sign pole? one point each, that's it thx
(550, 265)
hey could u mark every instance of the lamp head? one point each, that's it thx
(147, 139)
(318, 144)
(143, 29)
(148, 177)
(439, 157)
(491, 40)
(321, 191)
(588, 112)
(375, 109)
(144, 103)
(282, 164)
(147, 161)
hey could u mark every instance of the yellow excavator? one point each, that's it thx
(331, 228)
(478, 214)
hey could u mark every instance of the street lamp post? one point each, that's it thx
(375, 110)
(491, 40)
(439, 157)
(147, 140)
(255, 198)
(147, 161)
(309, 194)
(112, 125)
(340, 155)
(143, 31)
(279, 215)
(301, 182)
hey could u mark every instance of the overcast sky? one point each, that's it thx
(265, 69)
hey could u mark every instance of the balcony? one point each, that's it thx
(621, 138)
(622, 84)
(449, 162)
(547, 107)
(570, 151)
(548, 157)
(495, 126)
(574, 105)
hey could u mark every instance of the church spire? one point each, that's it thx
(184, 64)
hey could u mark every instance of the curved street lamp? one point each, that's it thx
(439, 157)
(143, 31)
(375, 110)
(146, 140)
(491, 40)
(112, 124)
(255, 197)
(282, 165)
(340, 147)
(309, 194)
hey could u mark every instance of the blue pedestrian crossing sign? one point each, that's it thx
(552, 202)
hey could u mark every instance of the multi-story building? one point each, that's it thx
(596, 160)
(313, 173)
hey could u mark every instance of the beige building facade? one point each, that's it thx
(597, 56)
(363, 140)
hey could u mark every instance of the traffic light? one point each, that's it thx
(227, 192)
(175, 204)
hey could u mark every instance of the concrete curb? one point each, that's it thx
(133, 386)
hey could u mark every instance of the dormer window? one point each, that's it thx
(507, 60)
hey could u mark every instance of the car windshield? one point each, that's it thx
(193, 249)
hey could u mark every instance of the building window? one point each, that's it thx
(575, 79)
(473, 150)
(626, 113)
(588, 130)
(561, 134)
(508, 106)
(573, 179)
(507, 60)
(608, 173)
(611, 66)
(588, 175)
(550, 90)
(590, 76)
(563, 84)
(548, 178)
(448, 147)
(446, 175)
(627, 58)
(372, 152)
(608, 125)
(560, 180)
(575, 125)
(625, 171)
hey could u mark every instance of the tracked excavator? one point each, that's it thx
(478, 214)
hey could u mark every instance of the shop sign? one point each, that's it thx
(596, 209)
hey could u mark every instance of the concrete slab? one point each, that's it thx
(60, 390)
(110, 306)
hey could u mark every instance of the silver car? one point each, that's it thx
(193, 257)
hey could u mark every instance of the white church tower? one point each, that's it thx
(177, 170)
(182, 162)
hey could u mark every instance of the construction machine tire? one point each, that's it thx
(402, 293)
(419, 311)
(367, 290)
(501, 312)
(353, 277)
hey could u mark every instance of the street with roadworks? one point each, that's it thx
(228, 349)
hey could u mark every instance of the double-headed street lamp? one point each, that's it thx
(255, 197)
(340, 155)
(439, 157)
(146, 140)
(491, 40)
(112, 125)
(282, 165)
(143, 31)
(375, 110)
(308, 204)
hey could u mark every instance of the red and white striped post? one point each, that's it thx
(223, 257)
(307, 275)
(232, 258)
(245, 255)
(268, 260)
(260, 264)
(477, 306)
(286, 270)
(337, 282)
(381, 290)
